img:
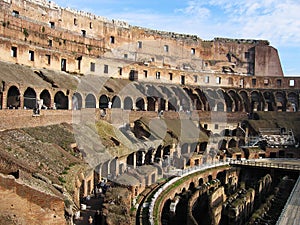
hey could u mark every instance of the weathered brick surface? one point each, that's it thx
(28, 205)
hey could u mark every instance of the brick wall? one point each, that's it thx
(29, 206)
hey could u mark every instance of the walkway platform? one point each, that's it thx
(291, 212)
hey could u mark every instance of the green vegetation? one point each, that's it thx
(25, 32)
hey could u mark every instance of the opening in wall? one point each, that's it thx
(31, 55)
(14, 51)
(93, 65)
(63, 64)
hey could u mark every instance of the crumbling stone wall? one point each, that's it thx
(28, 205)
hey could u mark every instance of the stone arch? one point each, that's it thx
(30, 101)
(13, 97)
(192, 187)
(76, 101)
(113, 167)
(149, 157)
(203, 99)
(220, 107)
(140, 157)
(140, 104)
(236, 104)
(200, 181)
(151, 103)
(232, 143)
(166, 150)
(61, 100)
(128, 103)
(203, 146)
(116, 102)
(293, 102)
(90, 101)
(209, 178)
(280, 100)
(245, 101)
(256, 101)
(241, 142)
(130, 159)
(222, 144)
(185, 148)
(103, 102)
(194, 147)
(172, 104)
(270, 100)
(105, 169)
(162, 104)
(158, 153)
(46, 97)
(230, 106)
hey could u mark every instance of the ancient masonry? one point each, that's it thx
(144, 86)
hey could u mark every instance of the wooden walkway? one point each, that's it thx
(291, 212)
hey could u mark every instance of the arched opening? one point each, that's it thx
(105, 169)
(203, 146)
(149, 157)
(200, 182)
(76, 101)
(245, 100)
(151, 104)
(256, 104)
(113, 167)
(166, 151)
(222, 144)
(61, 101)
(293, 102)
(280, 101)
(158, 154)
(220, 107)
(162, 105)
(232, 143)
(241, 143)
(90, 101)
(140, 104)
(270, 101)
(130, 159)
(185, 148)
(172, 104)
(46, 97)
(13, 97)
(103, 102)
(194, 147)
(192, 187)
(30, 99)
(116, 102)
(140, 158)
(128, 104)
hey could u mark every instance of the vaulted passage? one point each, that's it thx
(61, 101)
(103, 102)
(90, 101)
(30, 99)
(13, 97)
(46, 98)
(76, 101)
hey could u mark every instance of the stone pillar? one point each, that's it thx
(134, 160)
(156, 106)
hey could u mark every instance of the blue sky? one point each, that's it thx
(275, 20)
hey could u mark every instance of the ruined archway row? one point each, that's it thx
(150, 97)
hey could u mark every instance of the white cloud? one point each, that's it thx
(277, 21)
